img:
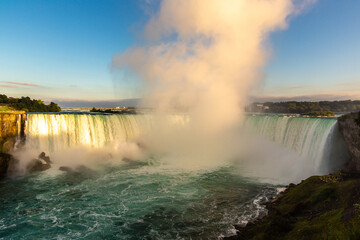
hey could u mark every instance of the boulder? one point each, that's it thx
(45, 158)
(8, 164)
(4, 163)
(66, 169)
(37, 165)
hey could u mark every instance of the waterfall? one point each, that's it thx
(315, 139)
(56, 132)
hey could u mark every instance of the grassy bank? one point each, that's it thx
(320, 207)
(5, 108)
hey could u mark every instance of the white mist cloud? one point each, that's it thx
(205, 56)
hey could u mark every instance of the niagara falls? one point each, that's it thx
(179, 119)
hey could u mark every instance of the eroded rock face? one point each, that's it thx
(12, 125)
(45, 158)
(4, 163)
(8, 164)
(66, 169)
(349, 126)
(37, 165)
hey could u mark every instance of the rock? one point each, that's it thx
(11, 125)
(83, 168)
(4, 163)
(45, 158)
(66, 169)
(8, 145)
(127, 160)
(350, 129)
(291, 185)
(8, 164)
(78, 169)
(37, 165)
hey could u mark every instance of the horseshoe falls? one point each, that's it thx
(115, 190)
(316, 143)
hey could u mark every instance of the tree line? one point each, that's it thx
(129, 110)
(27, 104)
(321, 108)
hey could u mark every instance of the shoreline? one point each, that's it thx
(320, 207)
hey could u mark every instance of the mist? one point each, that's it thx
(202, 57)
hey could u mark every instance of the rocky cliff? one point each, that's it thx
(12, 126)
(349, 126)
(320, 207)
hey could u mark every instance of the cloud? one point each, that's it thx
(7, 86)
(23, 83)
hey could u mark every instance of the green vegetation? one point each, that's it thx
(5, 108)
(129, 110)
(354, 116)
(322, 108)
(26, 104)
(321, 207)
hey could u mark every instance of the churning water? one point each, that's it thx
(145, 199)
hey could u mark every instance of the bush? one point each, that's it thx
(28, 105)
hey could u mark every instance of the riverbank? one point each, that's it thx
(320, 207)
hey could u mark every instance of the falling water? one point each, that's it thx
(310, 138)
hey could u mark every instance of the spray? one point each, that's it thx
(202, 57)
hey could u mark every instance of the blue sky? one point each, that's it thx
(62, 50)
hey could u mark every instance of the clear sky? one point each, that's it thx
(62, 50)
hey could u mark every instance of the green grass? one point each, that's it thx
(5, 108)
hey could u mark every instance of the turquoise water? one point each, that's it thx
(138, 200)
(145, 199)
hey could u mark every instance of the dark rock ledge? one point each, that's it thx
(9, 165)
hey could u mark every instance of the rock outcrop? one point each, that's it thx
(8, 164)
(320, 207)
(349, 126)
(12, 126)
(36, 165)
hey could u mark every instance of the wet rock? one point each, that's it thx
(8, 145)
(8, 164)
(37, 165)
(83, 168)
(4, 163)
(128, 160)
(79, 169)
(45, 158)
(66, 169)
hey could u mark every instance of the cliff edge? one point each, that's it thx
(349, 126)
(12, 127)
(320, 207)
